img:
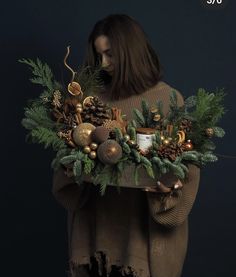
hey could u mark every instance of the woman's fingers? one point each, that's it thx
(161, 188)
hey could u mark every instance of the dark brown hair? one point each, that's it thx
(136, 65)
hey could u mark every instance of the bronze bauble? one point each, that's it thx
(109, 152)
(100, 134)
(82, 134)
(188, 145)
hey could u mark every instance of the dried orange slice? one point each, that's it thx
(87, 100)
(74, 88)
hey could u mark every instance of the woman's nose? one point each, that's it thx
(105, 61)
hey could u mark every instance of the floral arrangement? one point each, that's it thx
(92, 139)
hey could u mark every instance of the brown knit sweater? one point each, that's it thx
(132, 228)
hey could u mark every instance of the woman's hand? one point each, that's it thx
(161, 188)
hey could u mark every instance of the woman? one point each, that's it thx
(130, 233)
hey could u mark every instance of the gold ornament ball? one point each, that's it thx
(92, 155)
(188, 145)
(131, 142)
(82, 134)
(166, 141)
(87, 149)
(109, 152)
(79, 106)
(79, 110)
(126, 137)
(93, 146)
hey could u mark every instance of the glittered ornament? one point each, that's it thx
(100, 134)
(82, 134)
(188, 145)
(109, 152)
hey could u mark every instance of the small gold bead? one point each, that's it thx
(92, 155)
(87, 149)
(93, 146)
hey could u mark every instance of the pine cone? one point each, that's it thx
(96, 112)
(185, 125)
(170, 151)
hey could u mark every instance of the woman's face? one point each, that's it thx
(103, 49)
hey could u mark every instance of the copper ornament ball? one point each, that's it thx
(109, 152)
(188, 145)
(82, 134)
(100, 134)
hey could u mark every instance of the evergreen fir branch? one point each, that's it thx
(41, 72)
(60, 154)
(37, 117)
(207, 145)
(68, 159)
(190, 102)
(77, 169)
(157, 161)
(132, 132)
(149, 171)
(47, 137)
(29, 123)
(146, 113)
(145, 161)
(208, 157)
(104, 178)
(136, 155)
(160, 108)
(89, 79)
(190, 156)
(173, 99)
(125, 147)
(177, 170)
(218, 132)
(136, 175)
(184, 167)
(139, 117)
(134, 123)
(88, 164)
(119, 135)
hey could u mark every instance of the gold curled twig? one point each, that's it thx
(66, 65)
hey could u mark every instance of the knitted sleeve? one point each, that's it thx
(172, 210)
(69, 194)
